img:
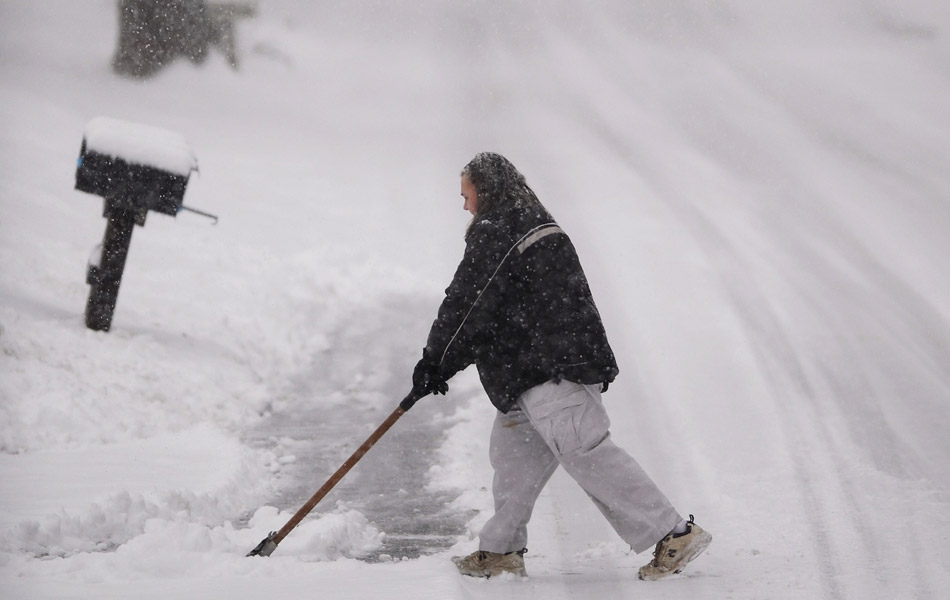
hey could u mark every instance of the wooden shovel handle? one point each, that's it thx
(405, 405)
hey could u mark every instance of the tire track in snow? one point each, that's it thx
(840, 400)
(839, 520)
(789, 384)
(852, 535)
(870, 302)
(842, 539)
(859, 320)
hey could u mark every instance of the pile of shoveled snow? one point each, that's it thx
(134, 440)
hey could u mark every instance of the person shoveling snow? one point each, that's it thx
(520, 309)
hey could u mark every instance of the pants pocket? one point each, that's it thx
(570, 417)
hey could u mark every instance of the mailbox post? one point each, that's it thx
(134, 168)
(105, 275)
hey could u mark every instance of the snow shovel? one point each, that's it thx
(269, 544)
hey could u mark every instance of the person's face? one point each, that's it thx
(471, 198)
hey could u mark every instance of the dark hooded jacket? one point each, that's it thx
(519, 306)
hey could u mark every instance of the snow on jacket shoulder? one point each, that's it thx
(519, 308)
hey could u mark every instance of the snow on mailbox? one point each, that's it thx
(134, 168)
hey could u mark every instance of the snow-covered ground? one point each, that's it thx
(760, 192)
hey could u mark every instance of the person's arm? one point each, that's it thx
(468, 299)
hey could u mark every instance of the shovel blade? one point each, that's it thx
(266, 547)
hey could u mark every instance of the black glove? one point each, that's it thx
(427, 377)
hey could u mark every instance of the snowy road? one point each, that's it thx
(757, 191)
(844, 344)
(802, 233)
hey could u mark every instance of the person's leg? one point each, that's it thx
(523, 464)
(571, 419)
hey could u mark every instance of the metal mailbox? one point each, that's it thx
(134, 168)
(129, 186)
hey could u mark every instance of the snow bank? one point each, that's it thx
(85, 410)
(344, 533)
(165, 539)
(216, 461)
(66, 386)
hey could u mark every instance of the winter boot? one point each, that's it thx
(487, 564)
(675, 550)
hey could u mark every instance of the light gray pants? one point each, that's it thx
(565, 424)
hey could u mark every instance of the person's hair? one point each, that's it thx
(499, 186)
